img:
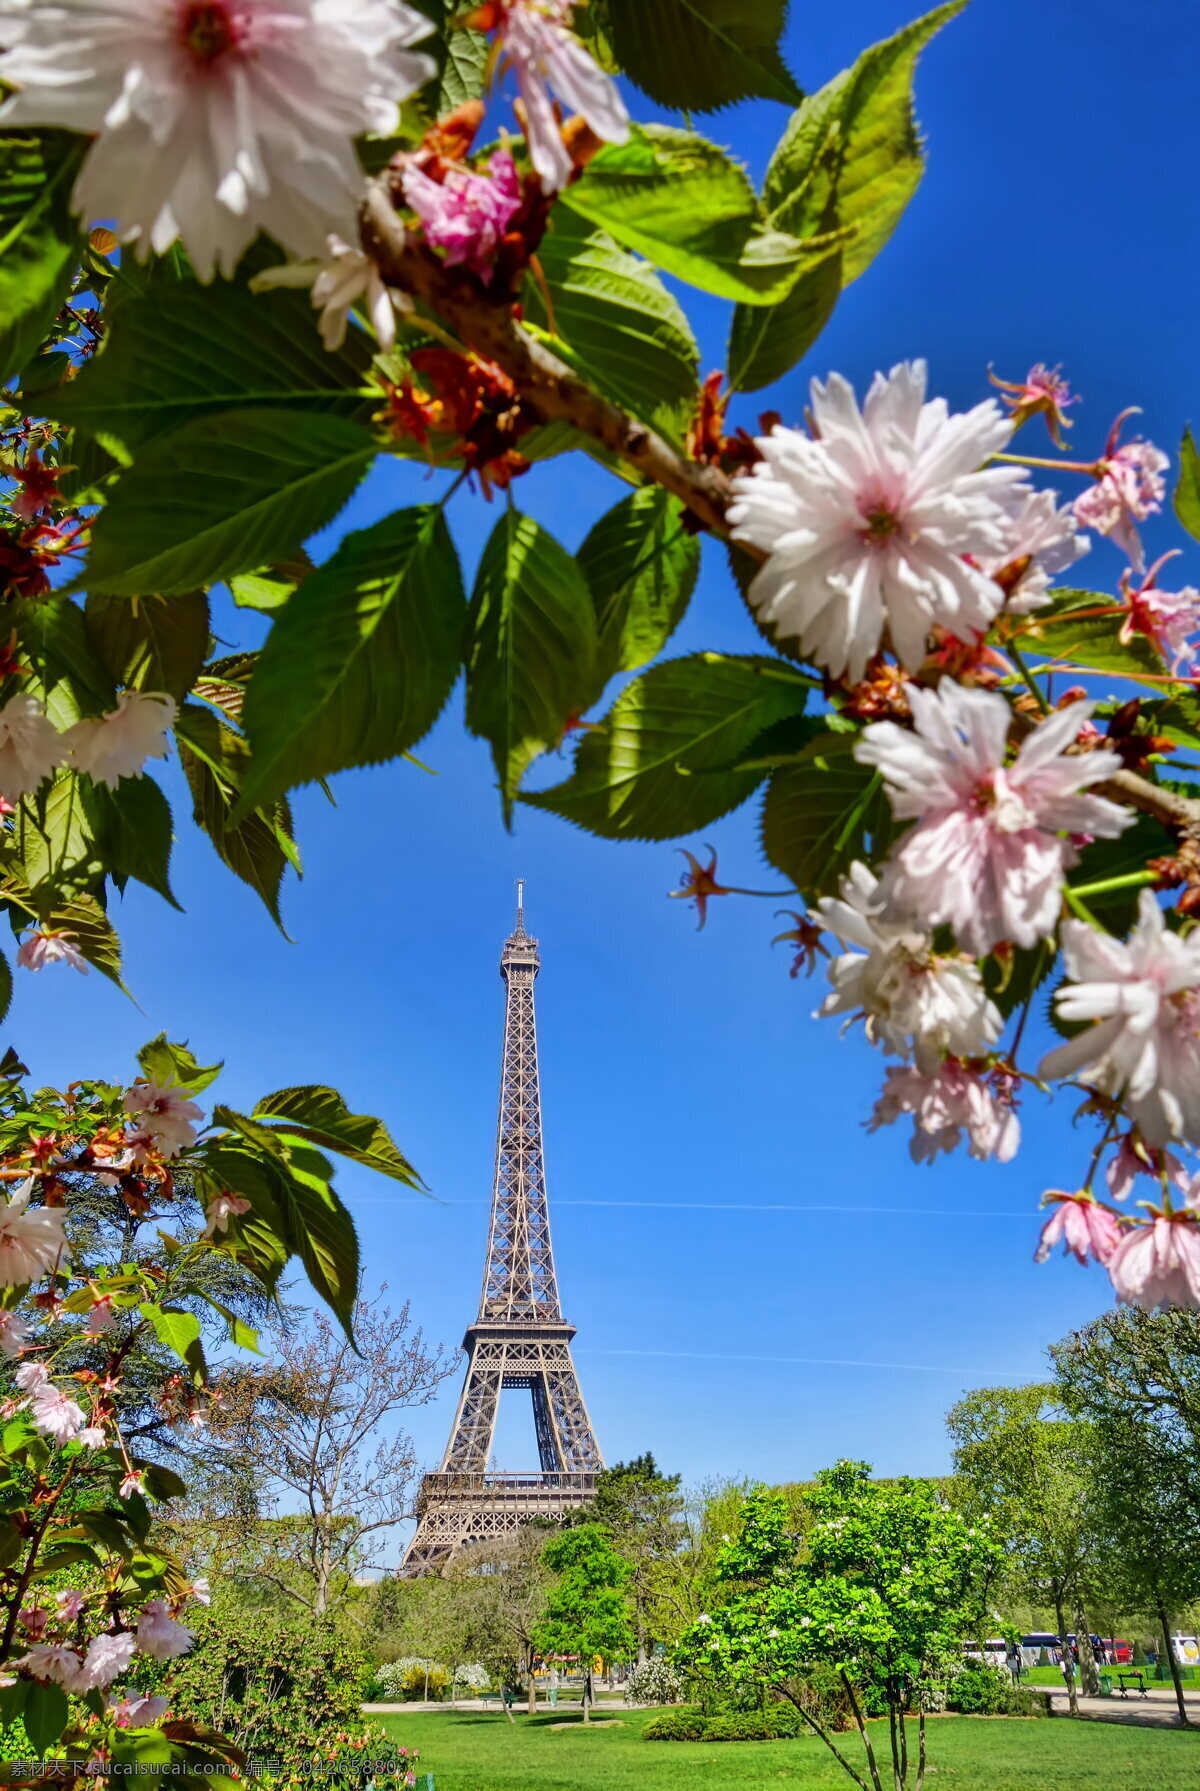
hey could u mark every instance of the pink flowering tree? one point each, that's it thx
(260, 248)
(89, 1346)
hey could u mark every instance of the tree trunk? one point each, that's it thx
(920, 1749)
(1184, 1721)
(1089, 1678)
(872, 1763)
(1068, 1664)
(814, 1725)
(587, 1695)
(532, 1684)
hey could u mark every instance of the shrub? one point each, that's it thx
(775, 1724)
(275, 1684)
(656, 1681)
(675, 1725)
(821, 1691)
(980, 1690)
(405, 1680)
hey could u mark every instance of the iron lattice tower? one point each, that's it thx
(520, 1338)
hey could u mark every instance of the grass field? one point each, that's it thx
(480, 1751)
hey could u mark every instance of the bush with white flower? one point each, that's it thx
(103, 1355)
(656, 1681)
(287, 239)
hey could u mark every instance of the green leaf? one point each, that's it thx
(320, 1116)
(661, 762)
(641, 565)
(690, 209)
(240, 1333)
(44, 1714)
(262, 1239)
(54, 842)
(698, 55)
(222, 496)
(165, 1062)
(162, 1483)
(257, 849)
(68, 674)
(90, 929)
(6, 986)
(822, 814)
(531, 649)
(362, 658)
(270, 587)
(464, 72)
(325, 1239)
(849, 159)
(1106, 860)
(181, 352)
(157, 643)
(178, 1331)
(1187, 490)
(1055, 632)
(131, 826)
(616, 323)
(40, 242)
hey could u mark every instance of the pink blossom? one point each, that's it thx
(338, 281)
(1133, 1158)
(1085, 1228)
(165, 1114)
(159, 1635)
(53, 1663)
(880, 519)
(548, 60)
(466, 215)
(213, 119)
(1043, 542)
(108, 1656)
(14, 1335)
(118, 744)
(133, 1482)
(70, 1603)
(947, 1103)
(1143, 999)
(225, 1207)
(31, 1239)
(33, 1619)
(92, 1438)
(50, 945)
(1129, 487)
(1167, 618)
(32, 1377)
(56, 1415)
(1042, 390)
(137, 1713)
(200, 1592)
(1159, 1264)
(988, 854)
(100, 1319)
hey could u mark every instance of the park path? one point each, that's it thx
(1157, 1710)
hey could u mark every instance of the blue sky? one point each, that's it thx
(759, 1285)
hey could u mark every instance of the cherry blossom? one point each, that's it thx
(868, 523)
(107, 1657)
(914, 1001)
(1084, 1227)
(159, 1635)
(1159, 1264)
(132, 1482)
(338, 280)
(548, 61)
(164, 1114)
(1167, 618)
(200, 1592)
(465, 215)
(92, 1437)
(1129, 487)
(31, 1239)
(101, 1317)
(1042, 392)
(988, 854)
(137, 1713)
(38, 484)
(1044, 541)
(30, 747)
(118, 744)
(944, 1105)
(1143, 999)
(14, 1335)
(53, 1663)
(56, 1415)
(50, 945)
(213, 119)
(69, 1604)
(225, 1207)
(1133, 1158)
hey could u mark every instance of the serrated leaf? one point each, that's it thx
(54, 842)
(157, 643)
(257, 849)
(1089, 639)
(177, 1331)
(531, 647)
(660, 764)
(464, 71)
(40, 241)
(240, 1333)
(131, 826)
(1187, 488)
(67, 672)
(849, 159)
(181, 352)
(325, 1237)
(616, 323)
(222, 496)
(6, 986)
(641, 566)
(44, 1713)
(699, 55)
(320, 1116)
(362, 658)
(689, 208)
(820, 815)
(166, 1062)
(261, 1238)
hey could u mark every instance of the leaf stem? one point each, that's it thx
(1035, 692)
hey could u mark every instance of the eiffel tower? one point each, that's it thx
(520, 1338)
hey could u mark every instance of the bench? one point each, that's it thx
(1136, 1680)
(486, 1698)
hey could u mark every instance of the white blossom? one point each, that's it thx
(337, 281)
(1143, 999)
(951, 1103)
(548, 61)
(1044, 542)
(868, 522)
(30, 746)
(31, 1239)
(915, 1002)
(213, 119)
(118, 744)
(159, 1635)
(164, 1114)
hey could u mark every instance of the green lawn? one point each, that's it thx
(480, 1751)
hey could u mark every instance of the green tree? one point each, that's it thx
(586, 1609)
(643, 1509)
(1030, 1466)
(882, 1589)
